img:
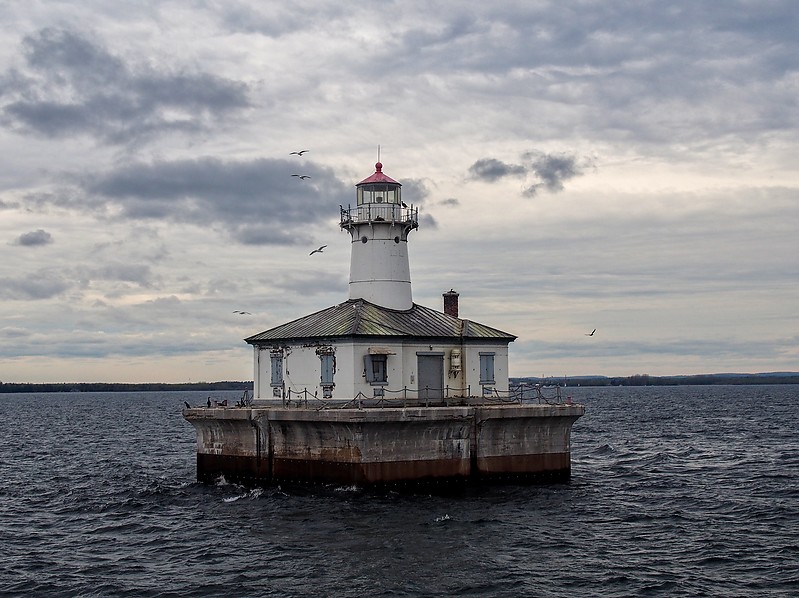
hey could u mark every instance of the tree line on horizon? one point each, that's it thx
(635, 380)
(647, 380)
(9, 387)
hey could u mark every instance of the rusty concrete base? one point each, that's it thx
(384, 446)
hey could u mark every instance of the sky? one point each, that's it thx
(624, 166)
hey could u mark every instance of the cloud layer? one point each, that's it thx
(72, 85)
(624, 166)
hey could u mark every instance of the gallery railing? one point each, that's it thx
(390, 212)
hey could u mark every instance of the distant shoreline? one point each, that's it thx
(682, 380)
(637, 380)
(9, 387)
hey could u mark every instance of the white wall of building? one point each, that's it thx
(302, 368)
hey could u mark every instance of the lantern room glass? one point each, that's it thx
(378, 193)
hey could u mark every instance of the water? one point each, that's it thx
(675, 491)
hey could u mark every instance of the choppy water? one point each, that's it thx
(677, 491)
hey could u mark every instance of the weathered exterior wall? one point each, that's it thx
(302, 370)
(506, 444)
(228, 444)
(383, 445)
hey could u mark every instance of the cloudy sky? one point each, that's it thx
(627, 166)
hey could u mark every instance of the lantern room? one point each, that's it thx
(379, 188)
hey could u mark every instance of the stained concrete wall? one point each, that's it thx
(383, 445)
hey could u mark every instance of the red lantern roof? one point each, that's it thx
(378, 177)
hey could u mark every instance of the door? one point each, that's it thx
(431, 375)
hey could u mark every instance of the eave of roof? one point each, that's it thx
(359, 318)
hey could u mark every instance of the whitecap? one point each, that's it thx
(442, 518)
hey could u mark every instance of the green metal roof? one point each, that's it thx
(357, 317)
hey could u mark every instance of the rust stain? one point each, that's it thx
(514, 464)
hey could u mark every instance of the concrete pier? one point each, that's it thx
(383, 445)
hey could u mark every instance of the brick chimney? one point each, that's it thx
(451, 303)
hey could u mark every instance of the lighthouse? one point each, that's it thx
(379, 343)
(379, 226)
(378, 389)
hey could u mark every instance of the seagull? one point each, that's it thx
(592, 332)
(299, 153)
(318, 250)
(241, 313)
(187, 404)
(302, 176)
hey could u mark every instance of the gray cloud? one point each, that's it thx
(414, 191)
(637, 73)
(34, 238)
(450, 202)
(255, 202)
(39, 285)
(73, 85)
(491, 169)
(428, 221)
(14, 332)
(550, 169)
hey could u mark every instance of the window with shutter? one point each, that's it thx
(487, 368)
(276, 357)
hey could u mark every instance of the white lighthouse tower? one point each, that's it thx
(379, 225)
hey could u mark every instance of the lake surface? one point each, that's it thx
(675, 491)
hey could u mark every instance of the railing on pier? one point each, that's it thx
(429, 397)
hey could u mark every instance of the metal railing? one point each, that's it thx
(428, 397)
(394, 213)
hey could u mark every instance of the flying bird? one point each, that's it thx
(318, 250)
(592, 332)
(241, 313)
(302, 176)
(299, 153)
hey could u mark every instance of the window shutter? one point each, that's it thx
(486, 368)
(277, 370)
(327, 369)
(367, 367)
